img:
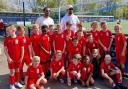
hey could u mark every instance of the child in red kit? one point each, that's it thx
(14, 50)
(81, 39)
(75, 48)
(105, 40)
(45, 49)
(34, 38)
(121, 42)
(27, 50)
(109, 70)
(68, 34)
(58, 40)
(90, 45)
(94, 30)
(87, 72)
(57, 67)
(73, 70)
(35, 75)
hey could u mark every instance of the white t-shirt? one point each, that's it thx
(44, 21)
(73, 19)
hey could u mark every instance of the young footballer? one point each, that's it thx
(94, 30)
(58, 40)
(73, 70)
(57, 67)
(110, 71)
(35, 76)
(105, 39)
(75, 48)
(87, 72)
(121, 42)
(27, 50)
(14, 50)
(34, 38)
(90, 45)
(45, 49)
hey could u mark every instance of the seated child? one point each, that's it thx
(57, 67)
(109, 70)
(73, 70)
(86, 72)
(35, 75)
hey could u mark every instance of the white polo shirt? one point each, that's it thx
(73, 19)
(44, 21)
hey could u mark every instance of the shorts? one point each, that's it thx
(120, 59)
(14, 65)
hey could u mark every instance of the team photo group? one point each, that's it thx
(65, 52)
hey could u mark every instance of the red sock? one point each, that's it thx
(11, 78)
(118, 77)
(123, 70)
(17, 76)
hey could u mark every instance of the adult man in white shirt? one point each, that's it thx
(70, 17)
(45, 20)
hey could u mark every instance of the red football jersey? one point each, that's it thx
(91, 45)
(89, 67)
(73, 67)
(75, 50)
(14, 47)
(104, 37)
(57, 65)
(107, 68)
(120, 40)
(26, 42)
(59, 41)
(34, 38)
(34, 73)
(95, 35)
(45, 43)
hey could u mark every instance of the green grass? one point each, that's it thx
(111, 25)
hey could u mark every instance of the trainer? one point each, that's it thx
(70, 17)
(45, 19)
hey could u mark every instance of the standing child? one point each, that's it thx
(121, 42)
(109, 70)
(35, 75)
(73, 70)
(27, 50)
(68, 34)
(105, 39)
(58, 40)
(14, 50)
(94, 30)
(87, 72)
(45, 49)
(34, 38)
(57, 67)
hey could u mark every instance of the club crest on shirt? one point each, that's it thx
(24, 40)
(109, 67)
(37, 70)
(118, 38)
(107, 34)
(59, 63)
(93, 45)
(16, 41)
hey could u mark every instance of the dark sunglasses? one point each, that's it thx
(70, 9)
